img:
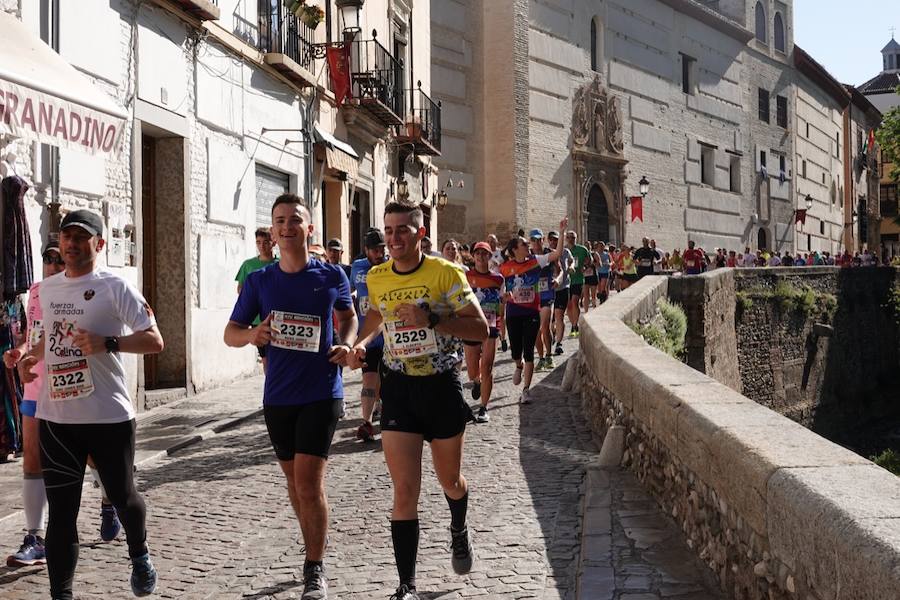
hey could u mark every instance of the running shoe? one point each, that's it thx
(404, 592)
(525, 398)
(315, 587)
(517, 376)
(476, 390)
(481, 416)
(559, 349)
(548, 363)
(365, 432)
(503, 346)
(463, 554)
(30, 553)
(143, 576)
(110, 526)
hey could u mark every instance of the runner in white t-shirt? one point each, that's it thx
(90, 316)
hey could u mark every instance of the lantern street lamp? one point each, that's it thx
(645, 186)
(442, 200)
(350, 11)
(402, 189)
(809, 202)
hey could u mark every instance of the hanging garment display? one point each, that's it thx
(18, 272)
(12, 323)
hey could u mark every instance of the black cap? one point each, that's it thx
(553, 234)
(86, 219)
(374, 238)
(334, 243)
(51, 245)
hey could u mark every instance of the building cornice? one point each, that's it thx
(712, 18)
(807, 65)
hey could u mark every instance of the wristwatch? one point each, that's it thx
(112, 344)
(433, 320)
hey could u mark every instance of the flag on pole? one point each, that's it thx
(637, 208)
(338, 58)
(800, 216)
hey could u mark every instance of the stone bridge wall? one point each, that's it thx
(777, 511)
(843, 384)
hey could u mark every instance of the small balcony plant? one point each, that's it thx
(414, 127)
(309, 14)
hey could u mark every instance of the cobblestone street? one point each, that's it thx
(220, 525)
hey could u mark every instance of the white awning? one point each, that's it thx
(42, 97)
(339, 155)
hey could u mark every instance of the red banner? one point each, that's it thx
(338, 58)
(800, 216)
(637, 208)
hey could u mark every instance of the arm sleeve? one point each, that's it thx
(247, 306)
(344, 301)
(134, 310)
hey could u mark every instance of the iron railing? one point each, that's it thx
(424, 117)
(283, 33)
(377, 75)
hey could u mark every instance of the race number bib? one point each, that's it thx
(409, 341)
(294, 331)
(523, 295)
(491, 316)
(70, 380)
(35, 333)
(646, 262)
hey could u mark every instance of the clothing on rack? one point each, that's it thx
(18, 273)
(12, 324)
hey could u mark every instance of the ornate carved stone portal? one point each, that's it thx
(598, 160)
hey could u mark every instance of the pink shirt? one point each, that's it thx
(35, 332)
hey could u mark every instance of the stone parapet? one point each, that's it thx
(776, 511)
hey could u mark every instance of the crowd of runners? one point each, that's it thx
(410, 317)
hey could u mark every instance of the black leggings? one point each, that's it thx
(523, 331)
(64, 452)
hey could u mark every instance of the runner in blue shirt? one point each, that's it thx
(371, 379)
(304, 395)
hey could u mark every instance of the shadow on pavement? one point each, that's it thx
(555, 447)
(274, 590)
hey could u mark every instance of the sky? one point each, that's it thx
(846, 36)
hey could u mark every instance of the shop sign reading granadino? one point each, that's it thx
(51, 120)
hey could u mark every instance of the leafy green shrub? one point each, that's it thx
(893, 303)
(785, 295)
(667, 332)
(744, 301)
(805, 300)
(889, 459)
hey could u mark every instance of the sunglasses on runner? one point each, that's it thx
(53, 260)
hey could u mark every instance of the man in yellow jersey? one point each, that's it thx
(425, 306)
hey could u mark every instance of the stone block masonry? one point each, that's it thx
(777, 511)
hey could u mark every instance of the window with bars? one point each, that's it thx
(782, 111)
(763, 105)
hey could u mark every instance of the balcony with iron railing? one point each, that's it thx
(423, 123)
(205, 10)
(287, 42)
(376, 81)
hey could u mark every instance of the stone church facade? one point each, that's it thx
(555, 107)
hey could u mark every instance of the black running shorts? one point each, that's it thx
(591, 280)
(373, 359)
(430, 405)
(303, 428)
(562, 299)
(575, 290)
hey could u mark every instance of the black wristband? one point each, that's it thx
(112, 344)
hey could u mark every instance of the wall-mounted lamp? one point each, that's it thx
(350, 11)
(645, 186)
(402, 190)
(809, 202)
(442, 200)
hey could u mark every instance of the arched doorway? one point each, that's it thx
(762, 239)
(598, 215)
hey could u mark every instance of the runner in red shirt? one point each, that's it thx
(693, 259)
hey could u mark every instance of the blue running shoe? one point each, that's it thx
(143, 576)
(30, 553)
(109, 523)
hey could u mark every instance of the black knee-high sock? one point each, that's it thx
(405, 535)
(458, 509)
